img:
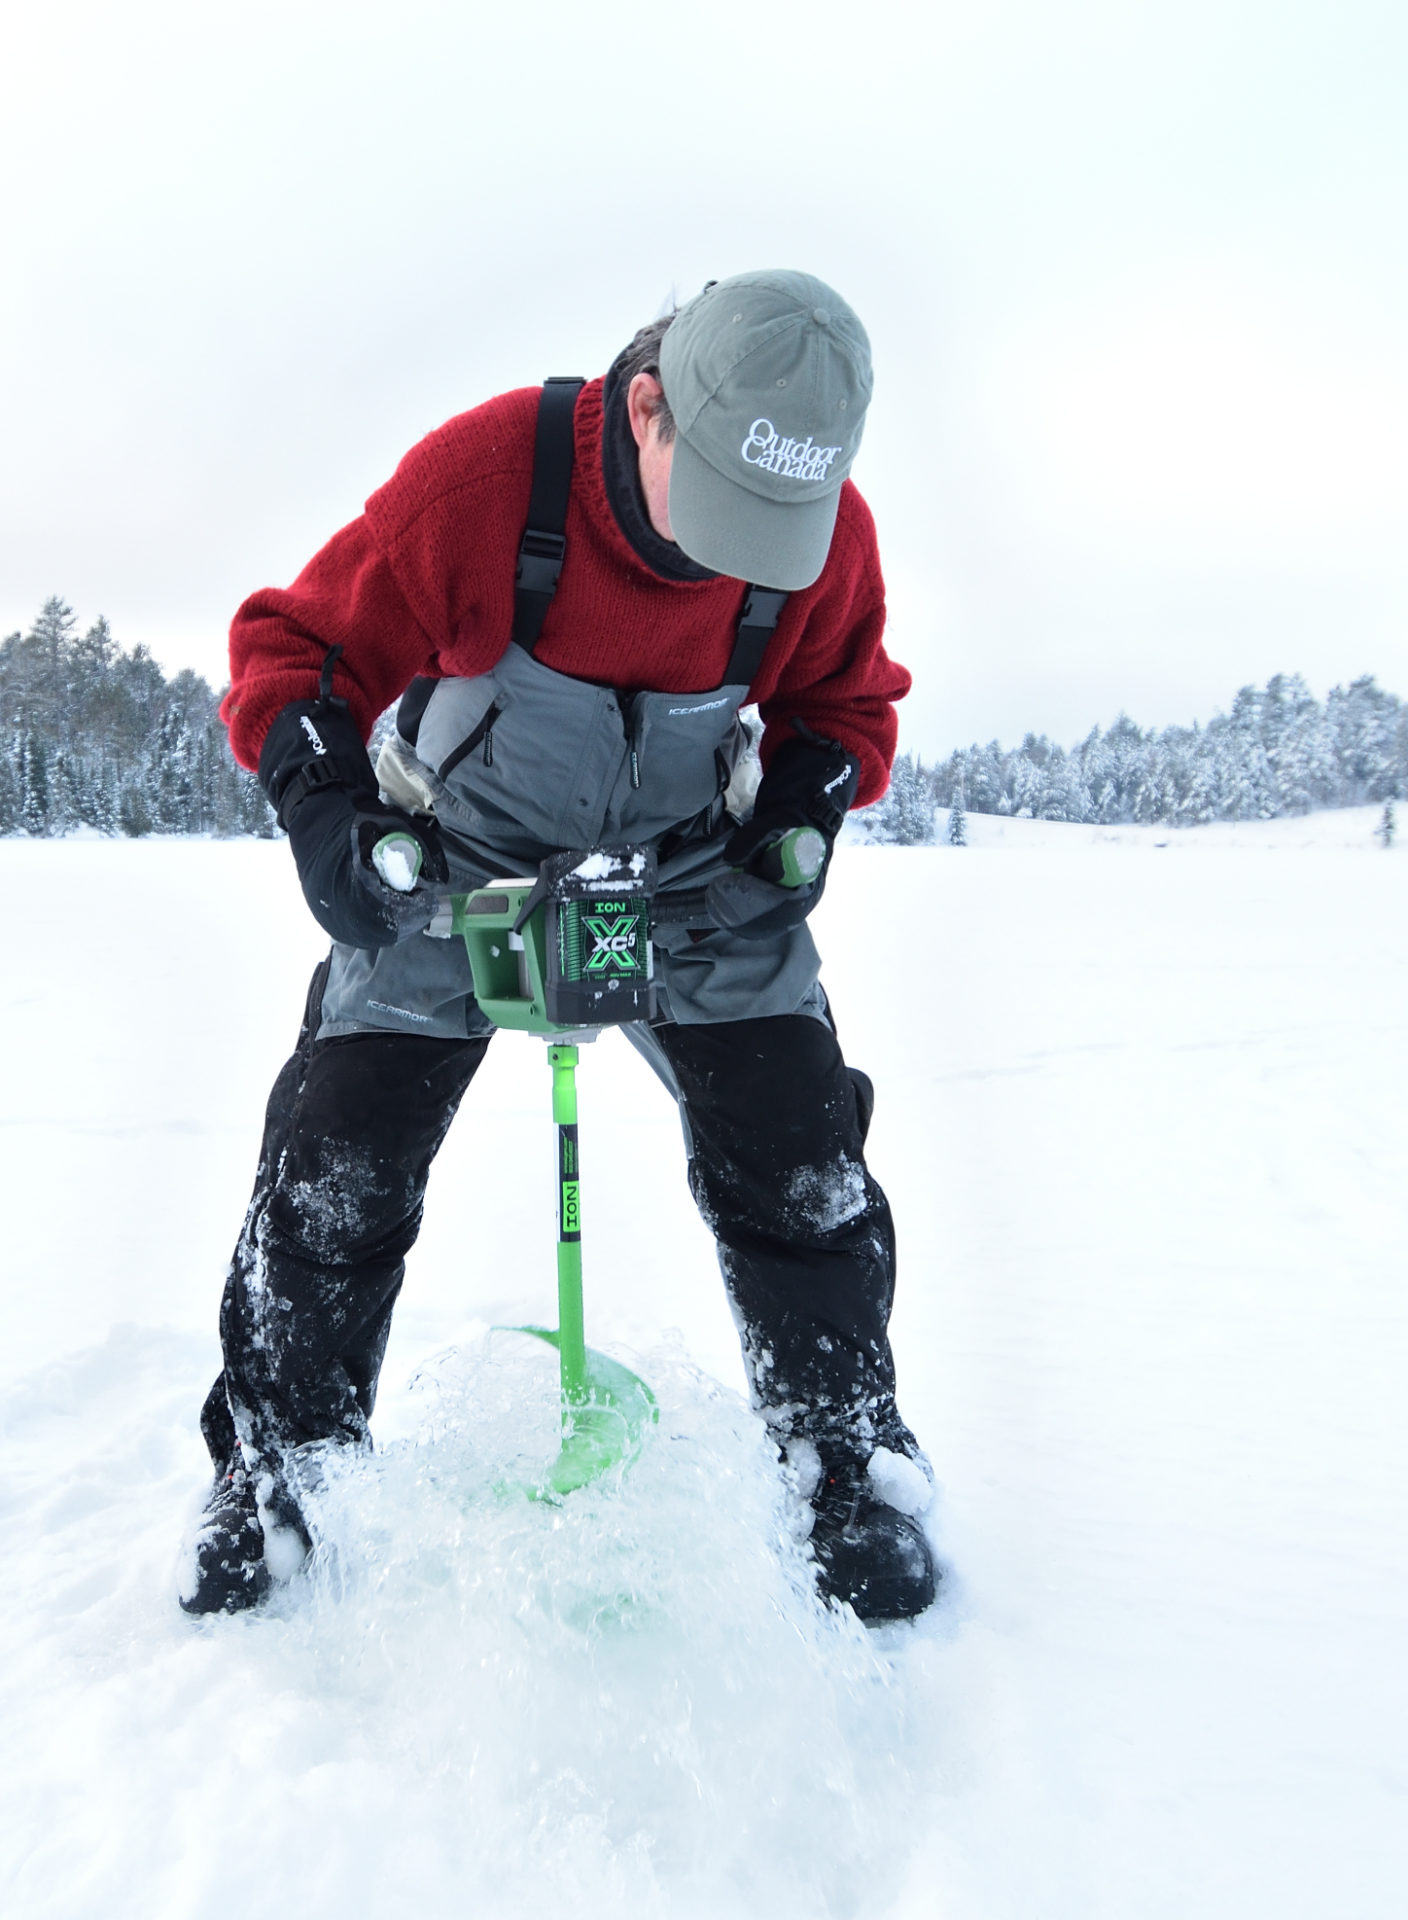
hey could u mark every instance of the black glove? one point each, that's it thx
(811, 783)
(320, 782)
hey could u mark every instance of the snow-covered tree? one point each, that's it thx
(1277, 751)
(92, 736)
(957, 822)
(904, 817)
(1364, 733)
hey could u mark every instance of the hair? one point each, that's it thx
(643, 356)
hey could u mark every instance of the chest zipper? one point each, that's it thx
(627, 704)
(485, 732)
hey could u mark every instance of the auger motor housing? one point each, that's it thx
(569, 951)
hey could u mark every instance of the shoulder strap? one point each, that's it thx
(541, 550)
(762, 609)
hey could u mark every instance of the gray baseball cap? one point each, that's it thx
(768, 378)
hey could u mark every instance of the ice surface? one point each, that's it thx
(1140, 1117)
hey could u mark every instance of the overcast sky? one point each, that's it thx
(1134, 274)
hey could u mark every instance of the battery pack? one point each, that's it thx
(600, 969)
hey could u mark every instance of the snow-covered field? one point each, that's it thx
(1141, 1116)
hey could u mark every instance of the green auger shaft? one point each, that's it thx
(572, 1346)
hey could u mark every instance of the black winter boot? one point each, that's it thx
(870, 1553)
(227, 1571)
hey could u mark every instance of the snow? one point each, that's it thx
(1140, 1115)
(827, 1197)
(609, 868)
(397, 860)
(899, 1481)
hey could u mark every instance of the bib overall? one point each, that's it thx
(523, 761)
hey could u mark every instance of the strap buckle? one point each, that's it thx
(539, 561)
(762, 607)
(310, 778)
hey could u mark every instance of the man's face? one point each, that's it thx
(654, 455)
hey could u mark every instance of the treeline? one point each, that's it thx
(1278, 751)
(92, 736)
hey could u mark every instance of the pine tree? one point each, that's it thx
(1198, 801)
(1364, 731)
(49, 637)
(1023, 786)
(133, 813)
(10, 817)
(905, 816)
(957, 821)
(34, 784)
(1248, 782)
(1293, 737)
(103, 800)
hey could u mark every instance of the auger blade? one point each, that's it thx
(603, 1429)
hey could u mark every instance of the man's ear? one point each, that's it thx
(643, 396)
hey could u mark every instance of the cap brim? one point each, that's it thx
(727, 528)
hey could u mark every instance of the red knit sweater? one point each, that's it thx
(422, 583)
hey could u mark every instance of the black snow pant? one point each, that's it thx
(776, 1123)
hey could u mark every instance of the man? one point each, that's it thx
(692, 543)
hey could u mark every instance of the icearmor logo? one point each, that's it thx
(384, 1006)
(708, 707)
(794, 459)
